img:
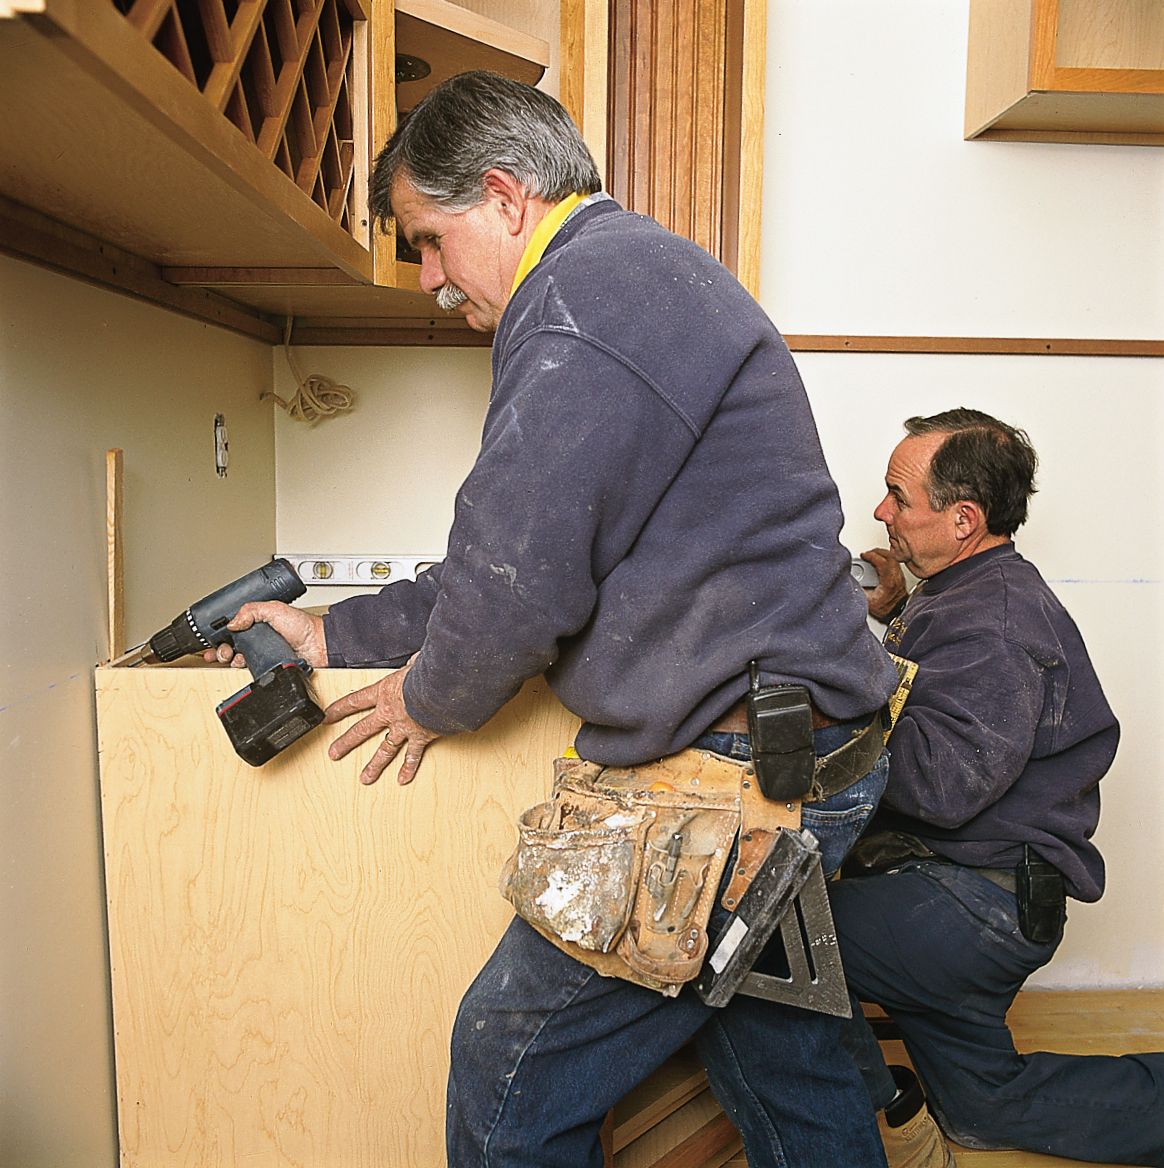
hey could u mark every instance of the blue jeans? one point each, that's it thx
(938, 947)
(543, 1047)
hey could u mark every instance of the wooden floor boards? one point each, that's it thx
(1074, 1022)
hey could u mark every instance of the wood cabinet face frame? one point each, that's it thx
(684, 134)
(1088, 71)
(193, 142)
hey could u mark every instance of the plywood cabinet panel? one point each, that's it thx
(1066, 71)
(287, 946)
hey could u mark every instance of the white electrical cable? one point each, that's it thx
(316, 396)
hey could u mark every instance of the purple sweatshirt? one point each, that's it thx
(649, 510)
(1006, 732)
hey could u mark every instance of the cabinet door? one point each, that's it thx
(1066, 71)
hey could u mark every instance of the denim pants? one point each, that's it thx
(543, 1047)
(938, 947)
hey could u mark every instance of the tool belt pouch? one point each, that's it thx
(1042, 901)
(620, 867)
(780, 733)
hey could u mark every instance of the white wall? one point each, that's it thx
(381, 477)
(879, 219)
(1087, 537)
(81, 371)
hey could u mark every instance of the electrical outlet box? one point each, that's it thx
(322, 568)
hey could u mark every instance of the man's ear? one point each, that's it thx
(509, 196)
(969, 520)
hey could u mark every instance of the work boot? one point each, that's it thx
(911, 1137)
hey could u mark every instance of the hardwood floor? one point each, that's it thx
(1075, 1022)
(680, 1126)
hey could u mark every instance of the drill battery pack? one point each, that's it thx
(270, 713)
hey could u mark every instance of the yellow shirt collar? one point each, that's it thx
(545, 231)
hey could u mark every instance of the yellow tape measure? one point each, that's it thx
(906, 672)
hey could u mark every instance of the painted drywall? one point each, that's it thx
(880, 219)
(81, 371)
(1095, 423)
(379, 478)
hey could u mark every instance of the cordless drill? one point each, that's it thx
(277, 707)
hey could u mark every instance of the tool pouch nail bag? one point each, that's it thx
(620, 867)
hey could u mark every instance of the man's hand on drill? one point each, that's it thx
(304, 633)
(385, 700)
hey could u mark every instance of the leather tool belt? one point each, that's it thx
(620, 867)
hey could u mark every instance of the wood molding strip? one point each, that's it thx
(426, 331)
(115, 548)
(749, 198)
(31, 236)
(401, 332)
(268, 277)
(1020, 346)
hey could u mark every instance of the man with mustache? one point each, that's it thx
(649, 513)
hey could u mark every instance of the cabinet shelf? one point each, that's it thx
(1066, 71)
(450, 40)
(229, 145)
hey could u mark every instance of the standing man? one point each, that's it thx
(650, 511)
(959, 887)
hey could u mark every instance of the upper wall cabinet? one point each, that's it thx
(193, 134)
(1066, 71)
(229, 143)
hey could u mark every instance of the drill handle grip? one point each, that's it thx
(263, 648)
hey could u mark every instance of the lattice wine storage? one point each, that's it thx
(281, 71)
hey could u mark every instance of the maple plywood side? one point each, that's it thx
(288, 947)
(997, 65)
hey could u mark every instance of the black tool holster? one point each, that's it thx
(780, 733)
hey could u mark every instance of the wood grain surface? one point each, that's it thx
(288, 947)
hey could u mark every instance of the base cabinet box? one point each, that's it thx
(288, 947)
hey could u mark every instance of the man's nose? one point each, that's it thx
(882, 512)
(432, 274)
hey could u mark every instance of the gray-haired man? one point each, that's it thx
(650, 511)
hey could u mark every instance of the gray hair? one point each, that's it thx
(472, 123)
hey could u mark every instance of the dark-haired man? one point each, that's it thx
(957, 892)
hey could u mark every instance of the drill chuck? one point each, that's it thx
(177, 639)
(203, 625)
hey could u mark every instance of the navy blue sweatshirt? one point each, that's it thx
(1006, 732)
(650, 509)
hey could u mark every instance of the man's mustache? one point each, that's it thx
(449, 296)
